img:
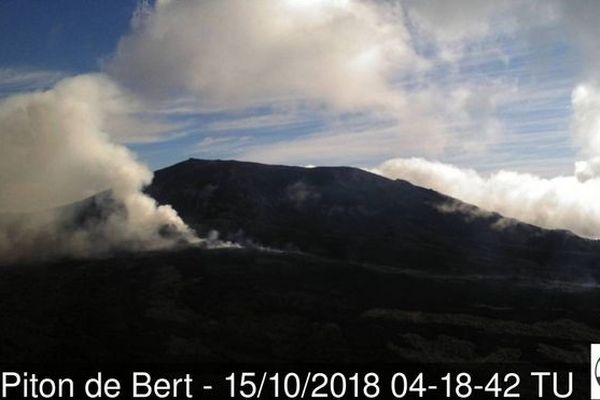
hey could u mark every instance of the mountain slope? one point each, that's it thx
(394, 280)
(353, 215)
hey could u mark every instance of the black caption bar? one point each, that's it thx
(284, 381)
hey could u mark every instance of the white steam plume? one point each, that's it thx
(54, 150)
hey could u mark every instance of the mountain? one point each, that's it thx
(352, 215)
(340, 266)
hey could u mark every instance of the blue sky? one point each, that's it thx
(501, 99)
(62, 35)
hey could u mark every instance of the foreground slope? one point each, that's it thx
(254, 306)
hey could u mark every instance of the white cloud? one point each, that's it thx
(341, 54)
(557, 203)
(585, 122)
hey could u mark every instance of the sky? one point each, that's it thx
(489, 92)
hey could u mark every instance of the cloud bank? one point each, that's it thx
(557, 203)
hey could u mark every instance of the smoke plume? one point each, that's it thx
(54, 150)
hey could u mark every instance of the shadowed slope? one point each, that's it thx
(353, 215)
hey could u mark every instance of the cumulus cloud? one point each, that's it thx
(342, 53)
(54, 150)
